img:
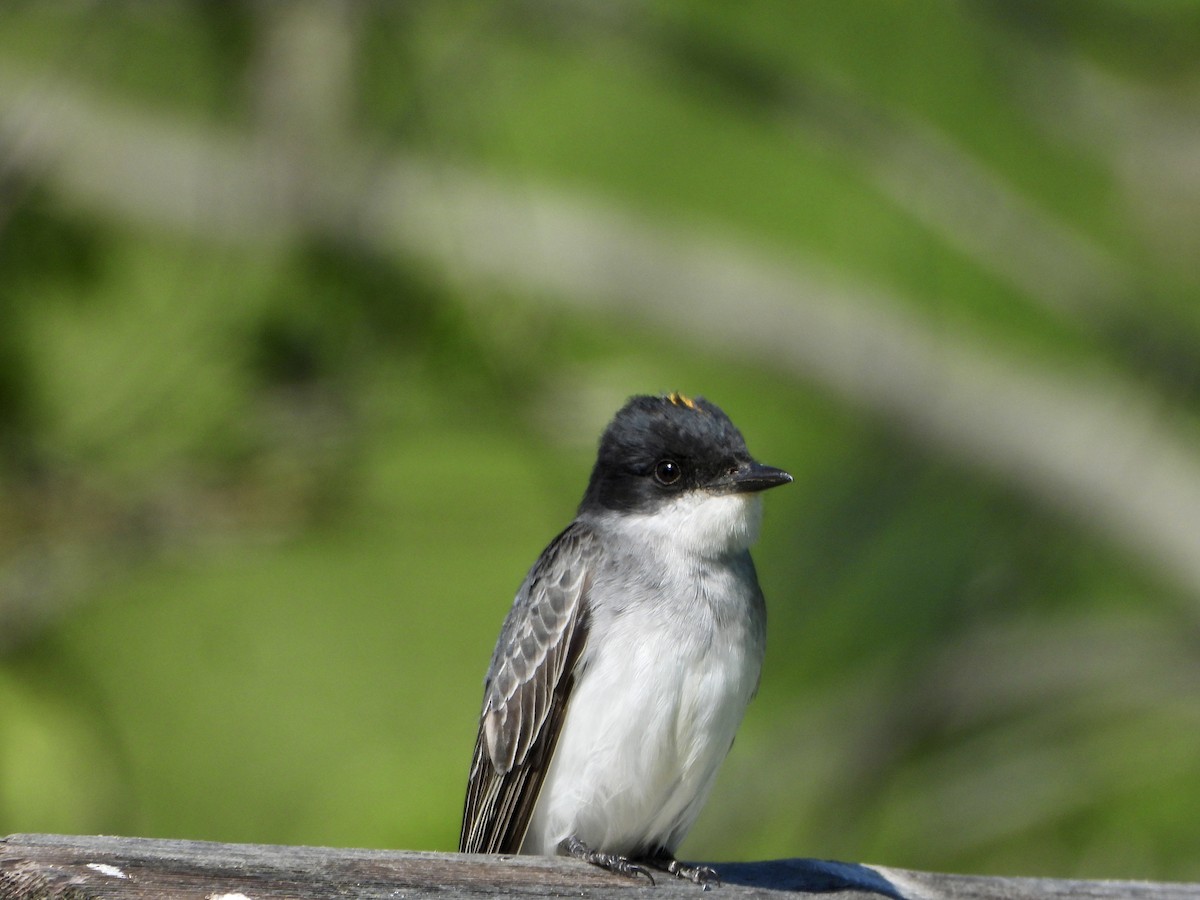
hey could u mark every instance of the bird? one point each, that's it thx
(632, 648)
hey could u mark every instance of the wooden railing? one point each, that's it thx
(76, 868)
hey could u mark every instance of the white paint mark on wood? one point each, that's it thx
(106, 869)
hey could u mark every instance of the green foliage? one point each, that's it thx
(264, 501)
(46, 250)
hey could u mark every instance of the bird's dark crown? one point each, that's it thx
(659, 447)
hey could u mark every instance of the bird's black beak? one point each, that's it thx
(751, 477)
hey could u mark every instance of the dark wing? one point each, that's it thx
(526, 693)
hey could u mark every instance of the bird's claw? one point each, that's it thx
(622, 865)
(701, 875)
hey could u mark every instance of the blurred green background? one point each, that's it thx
(311, 314)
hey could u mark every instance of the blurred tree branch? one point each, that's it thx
(1092, 443)
(920, 170)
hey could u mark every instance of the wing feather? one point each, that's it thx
(526, 693)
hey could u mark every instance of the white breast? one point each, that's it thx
(673, 657)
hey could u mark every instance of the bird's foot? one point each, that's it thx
(702, 875)
(622, 865)
(705, 876)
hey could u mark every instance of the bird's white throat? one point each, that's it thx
(697, 523)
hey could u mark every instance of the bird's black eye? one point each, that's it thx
(667, 471)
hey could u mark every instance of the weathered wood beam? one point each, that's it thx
(48, 866)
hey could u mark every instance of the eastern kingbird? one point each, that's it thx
(633, 646)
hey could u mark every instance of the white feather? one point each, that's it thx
(673, 657)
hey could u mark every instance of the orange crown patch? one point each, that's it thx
(682, 400)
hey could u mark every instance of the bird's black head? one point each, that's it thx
(657, 448)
